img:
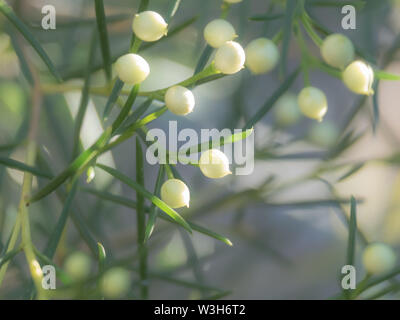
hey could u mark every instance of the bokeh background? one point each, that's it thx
(288, 244)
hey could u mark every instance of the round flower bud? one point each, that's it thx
(324, 134)
(132, 68)
(312, 102)
(262, 55)
(217, 32)
(233, 1)
(77, 266)
(175, 193)
(378, 258)
(230, 58)
(214, 164)
(115, 283)
(149, 26)
(359, 77)
(179, 100)
(287, 110)
(337, 50)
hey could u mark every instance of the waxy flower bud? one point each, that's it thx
(379, 258)
(312, 102)
(217, 32)
(230, 58)
(132, 68)
(337, 50)
(262, 55)
(175, 193)
(115, 283)
(77, 266)
(359, 78)
(179, 100)
(214, 164)
(287, 110)
(324, 134)
(149, 26)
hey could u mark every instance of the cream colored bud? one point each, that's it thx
(179, 100)
(217, 32)
(132, 68)
(115, 283)
(312, 102)
(287, 110)
(214, 164)
(175, 193)
(77, 266)
(324, 134)
(262, 55)
(149, 26)
(379, 258)
(337, 50)
(233, 1)
(359, 78)
(230, 58)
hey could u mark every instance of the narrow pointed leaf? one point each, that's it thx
(351, 243)
(112, 98)
(14, 164)
(103, 34)
(271, 101)
(287, 33)
(132, 204)
(153, 210)
(215, 144)
(61, 223)
(157, 201)
(23, 29)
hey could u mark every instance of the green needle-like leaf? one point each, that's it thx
(112, 98)
(271, 101)
(215, 144)
(157, 201)
(103, 34)
(153, 210)
(11, 163)
(382, 75)
(84, 98)
(141, 221)
(75, 168)
(351, 243)
(287, 33)
(101, 256)
(204, 57)
(61, 223)
(132, 204)
(22, 28)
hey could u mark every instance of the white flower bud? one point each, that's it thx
(214, 164)
(179, 100)
(77, 266)
(115, 283)
(218, 31)
(337, 50)
(312, 102)
(262, 55)
(230, 58)
(379, 258)
(287, 110)
(359, 78)
(149, 26)
(233, 1)
(132, 68)
(175, 193)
